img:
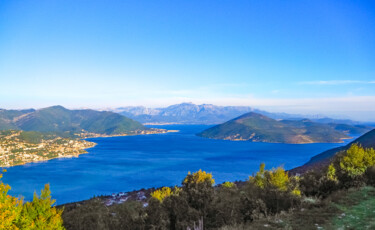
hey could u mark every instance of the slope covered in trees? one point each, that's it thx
(259, 128)
(60, 119)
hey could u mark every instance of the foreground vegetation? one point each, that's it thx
(341, 196)
(270, 199)
(35, 215)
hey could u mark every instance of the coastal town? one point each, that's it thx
(20, 147)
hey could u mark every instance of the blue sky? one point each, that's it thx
(313, 57)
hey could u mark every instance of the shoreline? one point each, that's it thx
(154, 131)
(92, 144)
(342, 140)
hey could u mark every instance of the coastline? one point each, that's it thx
(82, 150)
(143, 132)
(90, 144)
(342, 140)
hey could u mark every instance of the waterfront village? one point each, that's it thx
(136, 132)
(119, 198)
(19, 147)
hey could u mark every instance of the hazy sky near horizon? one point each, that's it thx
(291, 56)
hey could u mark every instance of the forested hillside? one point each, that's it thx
(60, 119)
(259, 128)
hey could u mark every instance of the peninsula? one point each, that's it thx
(21, 147)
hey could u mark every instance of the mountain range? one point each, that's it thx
(256, 127)
(189, 113)
(60, 119)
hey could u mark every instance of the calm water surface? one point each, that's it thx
(126, 163)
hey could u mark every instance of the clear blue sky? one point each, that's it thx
(291, 56)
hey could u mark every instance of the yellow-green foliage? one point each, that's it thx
(162, 193)
(165, 192)
(176, 190)
(331, 173)
(276, 178)
(356, 160)
(228, 184)
(10, 208)
(296, 192)
(37, 214)
(259, 178)
(199, 177)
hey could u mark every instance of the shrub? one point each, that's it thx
(355, 161)
(276, 179)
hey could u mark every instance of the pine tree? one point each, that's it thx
(39, 214)
(10, 208)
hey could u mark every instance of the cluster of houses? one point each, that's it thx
(14, 151)
(119, 198)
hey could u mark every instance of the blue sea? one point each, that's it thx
(120, 164)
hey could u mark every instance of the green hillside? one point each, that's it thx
(8, 117)
(259, 128)
(60, 119)
(322, 160)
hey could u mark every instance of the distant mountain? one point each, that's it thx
(189, 113)
(60, 119)
(337, 121)
(185, 113)
(7, 117)
(323, 159)
(259, 128)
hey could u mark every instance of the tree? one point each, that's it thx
(164, 192)
(10, 208)
(259, 178)
(276, 178)
(199, 192)
(39, 214)
(276, 189)
(355, 161)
